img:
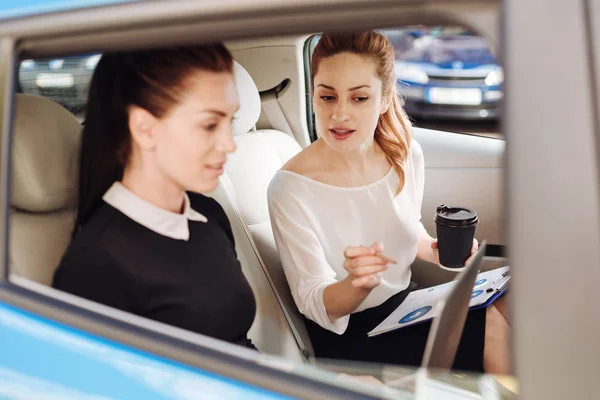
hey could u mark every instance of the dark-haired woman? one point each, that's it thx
(158, 131)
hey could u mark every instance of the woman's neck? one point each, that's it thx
(359, 161)
(152, 187)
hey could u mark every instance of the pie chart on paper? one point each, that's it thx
(416, 314)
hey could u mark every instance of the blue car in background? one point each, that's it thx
(449, 73)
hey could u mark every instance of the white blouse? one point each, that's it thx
(314, 222)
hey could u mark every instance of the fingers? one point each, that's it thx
(378, 246)
(475, 246)
(366, 260)
(357, 251)
(361, 266)
(365, 265)
(434, 244)
(367, 282)
(367, 270)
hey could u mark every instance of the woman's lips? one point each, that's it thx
(341, 134)
(217, 169)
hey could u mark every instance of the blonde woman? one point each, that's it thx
(358, 187)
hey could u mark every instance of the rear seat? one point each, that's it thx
(44, 186)
(279, 327)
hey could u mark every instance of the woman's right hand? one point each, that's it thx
(364, 266)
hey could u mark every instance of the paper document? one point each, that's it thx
(424, 304)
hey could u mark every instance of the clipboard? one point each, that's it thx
(500, 288)
(423, 305)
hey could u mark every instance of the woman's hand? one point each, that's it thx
(436, 253)
(364, 265)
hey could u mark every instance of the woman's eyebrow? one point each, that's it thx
(326, 86)
(212, 111)
(217, 112)
(359, 87)
(350, 90)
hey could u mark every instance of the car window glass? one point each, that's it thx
(65, 80)
(449, 77)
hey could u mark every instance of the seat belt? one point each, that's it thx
(272, 108)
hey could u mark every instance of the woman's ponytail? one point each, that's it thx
(105, 139)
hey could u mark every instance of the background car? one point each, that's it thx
(64, 80)
(449, 73)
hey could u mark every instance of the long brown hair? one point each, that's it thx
(393, 131)
(150, 79)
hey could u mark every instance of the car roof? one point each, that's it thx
(23, 8)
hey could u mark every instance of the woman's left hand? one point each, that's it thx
(436, 253)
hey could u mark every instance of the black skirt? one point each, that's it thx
(402, 346)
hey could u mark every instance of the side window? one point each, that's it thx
(448, 76)
(64, 80)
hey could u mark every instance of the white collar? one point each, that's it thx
(161, 221)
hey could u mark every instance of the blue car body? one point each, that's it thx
(40, 359)
(451, 76)
(24, 8)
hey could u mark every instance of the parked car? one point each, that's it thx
(64, 80)
(450, 74)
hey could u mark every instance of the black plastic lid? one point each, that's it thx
(460, 217)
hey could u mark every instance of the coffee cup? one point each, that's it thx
(455, 228)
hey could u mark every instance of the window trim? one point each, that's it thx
(7, 89)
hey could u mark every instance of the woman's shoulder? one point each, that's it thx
(205, 205)
(83, 263)
(416, 153)
(92, 241)
(306, 163)
(415, 149)
(211, 209)
(88, 270)
(307, 167)
(101, 225)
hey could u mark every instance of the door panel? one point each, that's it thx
(464, 170)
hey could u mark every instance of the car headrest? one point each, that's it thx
(45, 155)
(247, 116)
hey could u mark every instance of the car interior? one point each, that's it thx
(271, 126)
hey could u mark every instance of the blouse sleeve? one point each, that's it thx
(419, 169)
(302, 256)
